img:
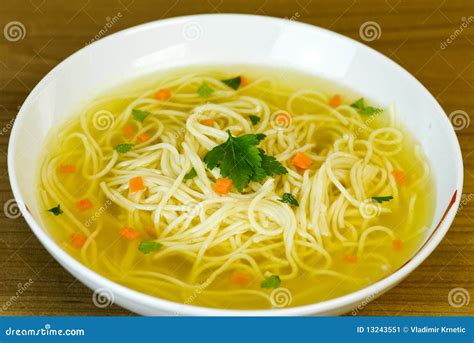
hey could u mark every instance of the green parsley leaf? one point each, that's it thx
(289, 199)
(271, 165)
(139, 115)
(233, 83)
(254, 119)
(123, 148)
(204, 90)
(360, 106)
(56, 210)
(191, 174)
(382, 199)
(147, 247)
(271, 282)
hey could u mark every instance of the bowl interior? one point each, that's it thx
(231, 39)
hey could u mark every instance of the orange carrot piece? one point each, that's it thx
(397, 244)
(207, 122)
(163, 94)
(129, 233)
(222, 186)
(240, 278)
(67, 168)
(244, 81)
(78, 240)
(301, 161)
(84, 205)
(144, 137)
(128, 132)
(136, 184)
(350, 258)
(399, 176)
(150, 230)
(335, 101)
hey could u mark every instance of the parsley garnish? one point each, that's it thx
(240, 160)
(123, 148)
(233, 83)
(56, 210)
(382, 199)
(147, 247)
(139, 115)
(191, 174)
(271, 282)
(289, 199)
(204, 90)
(360, 106)
(254, 119)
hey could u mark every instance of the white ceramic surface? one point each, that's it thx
(231, 39)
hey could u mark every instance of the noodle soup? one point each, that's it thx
(236, 187)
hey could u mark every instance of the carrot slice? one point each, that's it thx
(84, 205)
(222, 186)
(128, 132)
(397, 244)
(399, 176)
(67, 168)
(244, 81)
(130, 233)
(350, 258)
(301, 161)
(207, 122)
(78, 239)
(144, 137)
(163, 94)
(136, 184)
(240, 278)
(335, 100)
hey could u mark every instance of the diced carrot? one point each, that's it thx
(144, 137)
(84, 205)
(244, 81)
(399, 176)
(78, 240)
(136, 184)
(240, 278)
(222, 186)
(130, 233)
(301, 161)
(150, 230)
(67, 168)
(335, 100)
(128, 132)
(207, 122)
(163, 94)
(350, 258)
(397, 244)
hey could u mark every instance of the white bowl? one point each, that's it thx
(232, 39)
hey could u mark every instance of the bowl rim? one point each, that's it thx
(73, 266)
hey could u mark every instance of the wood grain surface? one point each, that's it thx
(413, 33)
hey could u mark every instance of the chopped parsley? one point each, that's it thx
(233, 83)
(380, 200)
(240, 160)
(289, 199)
(271, 282)
(204, 90)
(362, 108)
(123, 148)
(254, 119)
(56, 210)
(139, 115)
(191, 174)
(147, 247)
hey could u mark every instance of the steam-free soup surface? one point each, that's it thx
(236, 187)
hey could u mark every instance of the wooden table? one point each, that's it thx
(413, 33)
